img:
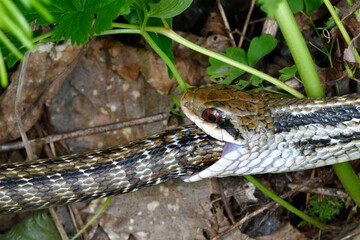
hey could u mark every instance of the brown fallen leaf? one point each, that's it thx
(94, 94)
(47, 68)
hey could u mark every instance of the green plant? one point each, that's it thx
(323, 208)
(16, 32)
(259, 47)
(152, 20)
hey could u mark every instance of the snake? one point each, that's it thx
(235, 133)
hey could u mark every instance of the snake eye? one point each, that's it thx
(211, 115)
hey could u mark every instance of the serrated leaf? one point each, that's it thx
(168, 8)
(219, 69)
(260, 47)
(107, 13)
(296, 5)
(36, 226)
(78, 20)
(269, 6)
(312, 5)
(288, 72)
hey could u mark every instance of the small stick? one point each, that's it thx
(319, 190)
(84, 132)
(246, 24)
(226, 23)
(223, 198)
(58, 224)
(246, 218)
(17, 114)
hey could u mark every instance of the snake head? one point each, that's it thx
(223, 112)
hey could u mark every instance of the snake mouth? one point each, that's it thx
(227, 165)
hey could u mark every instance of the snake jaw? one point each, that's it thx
(227, 165)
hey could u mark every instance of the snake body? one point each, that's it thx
(263, 133)
(267, 133)
(106, 172)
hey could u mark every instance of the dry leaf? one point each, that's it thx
(47, 67)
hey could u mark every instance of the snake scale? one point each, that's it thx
(239, 133)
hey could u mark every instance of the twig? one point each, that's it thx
(84, 132)
(323, 191)
(58, 224)
(226, 23)
(253, 214)
(17, 114)
(351, 235)
(75, 214)
(246, 24)
(223, 198)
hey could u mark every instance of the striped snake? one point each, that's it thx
(243, 133)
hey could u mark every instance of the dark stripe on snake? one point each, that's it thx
(226, 124)
(326, 117)
(312, 144)
(345, 138)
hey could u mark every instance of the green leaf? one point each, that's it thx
(107, 13)
(168, 8)
(12, 20)
(12, 59)
(312, 5)
(255, 80)
(330, 23)
(36, 226)
(3, 73)
(176, 100)
(269, 6)
(12, 14)
(296, 5)
(10, 45)
(40, 8)
(288, 72)
(259, 47)
(219, 69)
(78, 20)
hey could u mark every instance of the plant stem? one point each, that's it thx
(102, 208)
(299, 50)
(312, 83)
(285, 204)
(171, 34)
(41, 37)
(349, 180)
(167, 60)
(342, 29)
(177, 38)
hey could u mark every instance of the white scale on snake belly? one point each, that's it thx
(233, 157)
